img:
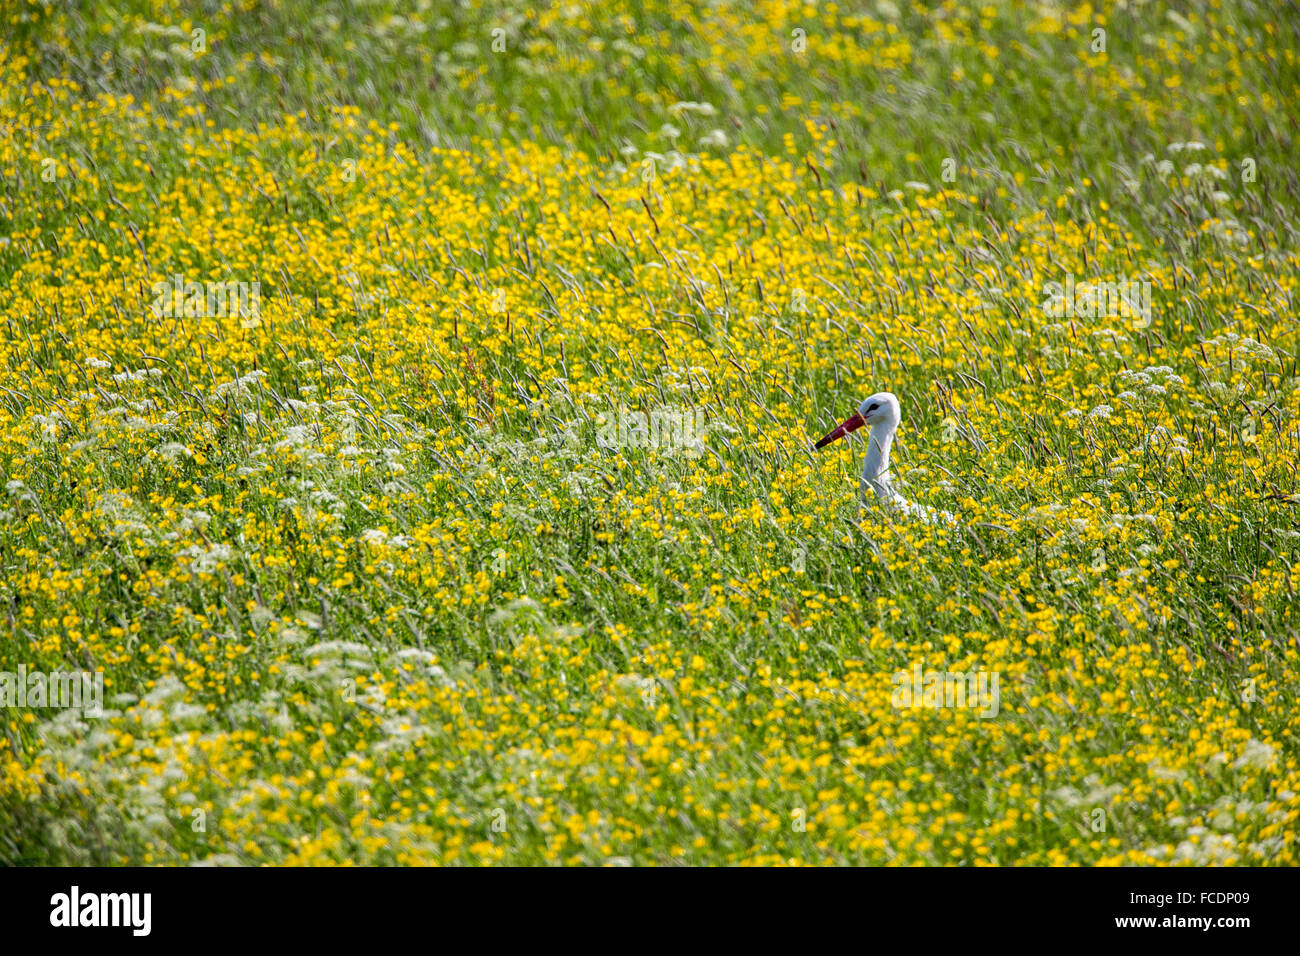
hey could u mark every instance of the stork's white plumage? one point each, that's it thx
(882, 413)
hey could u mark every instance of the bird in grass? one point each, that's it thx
(882, 414)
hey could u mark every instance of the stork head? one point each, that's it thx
(880, 409)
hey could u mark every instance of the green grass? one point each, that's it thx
(625, 654)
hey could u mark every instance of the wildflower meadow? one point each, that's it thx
(407, 416)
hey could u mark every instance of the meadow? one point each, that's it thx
(407, 408)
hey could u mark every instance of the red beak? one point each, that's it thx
(850, 424)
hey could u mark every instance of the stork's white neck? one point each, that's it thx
(875, 464)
